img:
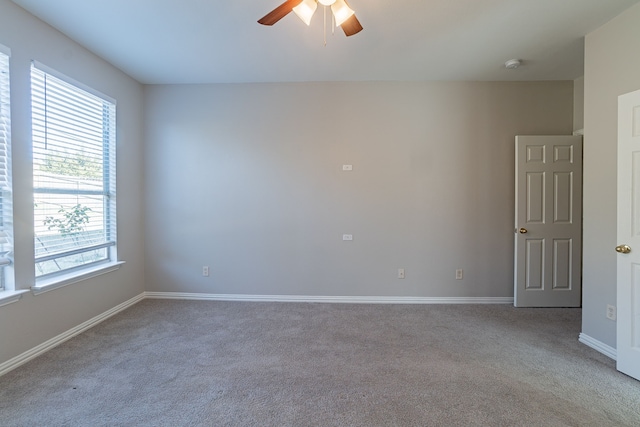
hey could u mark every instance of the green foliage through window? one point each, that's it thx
(79, 165)
(72, 221)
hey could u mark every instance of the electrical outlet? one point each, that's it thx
(347, 237)
(205, 271)
(401, 273)
(611, 312)
(459, 274)
(347, 168)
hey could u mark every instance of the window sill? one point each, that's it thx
(56, 282)
(8, 297)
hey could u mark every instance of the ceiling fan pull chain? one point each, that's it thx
(333, 24)
(325, 26)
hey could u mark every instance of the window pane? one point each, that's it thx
(71, 261)
(68, 222)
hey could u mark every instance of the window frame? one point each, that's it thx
(54, 279)
(7, 279)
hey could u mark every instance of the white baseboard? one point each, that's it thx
(598, 346)
(328, 299)
(57, 340)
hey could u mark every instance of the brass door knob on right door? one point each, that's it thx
(523, 231)
(623, 249)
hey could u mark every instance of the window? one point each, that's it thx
(73, 175)
(6, 211)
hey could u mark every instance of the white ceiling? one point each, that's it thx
(219, 41)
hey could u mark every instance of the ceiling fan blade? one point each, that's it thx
(279, 12)
(351, 26)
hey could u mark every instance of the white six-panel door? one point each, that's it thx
(548, 223)
(628, 289)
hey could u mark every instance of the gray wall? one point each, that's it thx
(35, 319)
(612, 68)
(247, 179)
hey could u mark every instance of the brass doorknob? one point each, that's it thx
(623, 249)
(523, 231)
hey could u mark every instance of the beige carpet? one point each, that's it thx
(196, 363)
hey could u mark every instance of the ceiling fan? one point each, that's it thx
(343, 15)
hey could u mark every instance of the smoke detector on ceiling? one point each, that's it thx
(512, 64)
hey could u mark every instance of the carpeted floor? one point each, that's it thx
(198, 363)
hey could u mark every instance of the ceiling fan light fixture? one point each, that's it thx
(343, 16)
(305, 10)
(341, 11)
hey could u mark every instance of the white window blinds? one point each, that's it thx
(6, 210)
(73, 175)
